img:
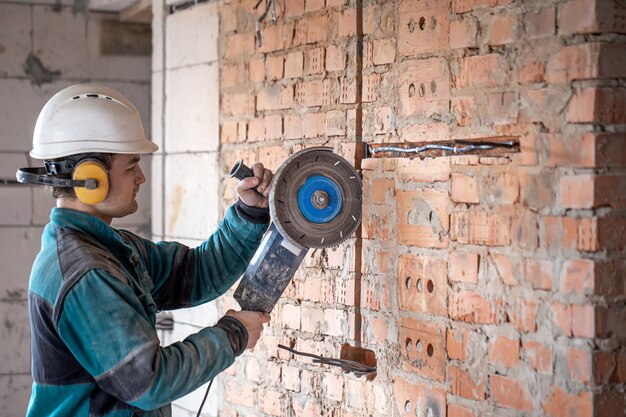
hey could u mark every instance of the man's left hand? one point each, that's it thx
(254, 191)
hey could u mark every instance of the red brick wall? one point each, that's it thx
(484, 285)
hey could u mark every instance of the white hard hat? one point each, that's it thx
(88, 118)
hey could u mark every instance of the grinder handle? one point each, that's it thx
(241, 171)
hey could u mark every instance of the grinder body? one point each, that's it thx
(315, 201)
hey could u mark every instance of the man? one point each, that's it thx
(94, 290)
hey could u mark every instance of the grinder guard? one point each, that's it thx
(300, 220)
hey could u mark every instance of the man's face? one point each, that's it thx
(125, 177)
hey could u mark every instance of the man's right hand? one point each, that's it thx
(253, 322)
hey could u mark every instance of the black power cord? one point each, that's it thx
(357, 368)
(206, 394)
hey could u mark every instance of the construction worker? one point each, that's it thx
(94, 290)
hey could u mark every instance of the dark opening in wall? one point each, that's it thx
(363, 356)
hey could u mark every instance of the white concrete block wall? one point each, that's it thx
(185, 187)
(66, 42)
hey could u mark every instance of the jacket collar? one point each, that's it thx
(87, 224)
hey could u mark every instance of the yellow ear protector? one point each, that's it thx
(90, 179)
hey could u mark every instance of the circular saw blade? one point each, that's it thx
(301, 171)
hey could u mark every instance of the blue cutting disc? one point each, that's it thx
(314, 187)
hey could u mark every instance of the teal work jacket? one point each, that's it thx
(93, 297)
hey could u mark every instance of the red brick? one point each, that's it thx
(605, 365)
(418, 170)
(382, 120)
(271, 402)
(277, 37)
(238, 45)
(317, 28)
(504, 351)
(377, 331)
(523, 315)
(335, 58)
(384, 51)
(464, 110)
(423, 218)
(335, 123)
(562, 317)
(333, 321)
(313, 124)
(482, 71)
(471, 307)
(348, 90)
(256, 130)
(423, 26)
(273, 126)
(586, 61)
(560, 233)
(502, 28)
(591, 16)
(257, 70)
(587, 150)
(240, 394)
(232, 75)
(457, 410)
(539, 356)
(383, 189)
(228, 19)
(305, 408)
(423, 349)
(411, 396)
(314, 61)
(275, 97)
(228, 132)
(346, 23)
(583, 320)
(309, 93)
(577, 191)
(457, 344)
(531, 71)
(603, 233)
(376, 222)
(578, 276)
(463, 33)
(539, 273)
(579, 365)
(470, 385)
(272, 156)
(293, 126)
(426, 132)
(502, 107)
(597, 105)
(370, 87)
(480, 228)
(608, 403)
(242, 104)
(423, 284)
(540, 23)
(274, 67)
(464, 189)
(333, 386)
(504, 268)
(561, 404)
(510, 393)
(294, 64)
(537, 191)
(464, 267)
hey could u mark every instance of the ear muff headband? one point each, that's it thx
(91, 169)
(89, 180)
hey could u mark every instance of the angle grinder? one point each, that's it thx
(315, 202)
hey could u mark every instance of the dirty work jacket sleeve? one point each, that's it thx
(107, 328)
(185, 277)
